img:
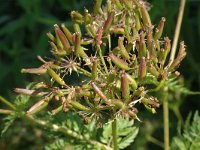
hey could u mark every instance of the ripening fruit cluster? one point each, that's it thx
(120, 55)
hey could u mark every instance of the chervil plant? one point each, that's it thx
(119, 60)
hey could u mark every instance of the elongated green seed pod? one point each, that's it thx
(53, 46)
(78, 106)
(137, 21)
(180, 56)
(118, 4)
(109, 6)
(55, 76)
(145, 16)
(60, 53)
(34, 70)
(97, 7)
(76, 16)
(77, 46)
(94, 69)
(150, 36)
(90, 30)
(150, 101)
(117, 103)
(118, 62)
(108, 22)
(125, 86)
(159, 30)
(132, 82)
(77, 28)
(99, 92)
(99, 35)
(153, 70)
(62, 38)
(51, 37)
(142, 46)
(68, 34)
(87, 17)
(117, 30)
(142, 69)
(39, 105)
(122, 49)
(128, 4)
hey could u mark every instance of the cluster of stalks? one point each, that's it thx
(120, 55)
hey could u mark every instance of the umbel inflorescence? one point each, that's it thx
(119, 55)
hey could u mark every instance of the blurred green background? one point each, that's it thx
(23, 28)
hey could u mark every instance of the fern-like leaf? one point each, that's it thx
(8, 121)
(190, 138)
(126, 133)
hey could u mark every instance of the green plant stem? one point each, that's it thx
(177, 31)
(7, 103)
(64, 130)
(177, 113)
(114, 134)
(155, 141)
(166, 122)
(102, 59)
(84, 72)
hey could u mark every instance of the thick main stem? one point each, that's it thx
(114, 134)
(166, 122)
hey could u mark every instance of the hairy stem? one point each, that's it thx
(177, 30)
(166, 122)
(114, 134)
(64, 130)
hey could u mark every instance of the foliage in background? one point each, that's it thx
(189, 136)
